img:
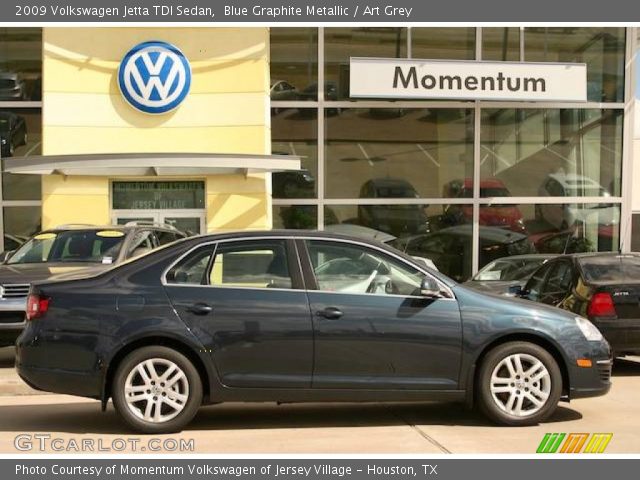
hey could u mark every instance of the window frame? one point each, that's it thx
(293, 263)
(312, 283)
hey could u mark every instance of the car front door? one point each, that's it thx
(373, 329)
(245, 301)
(558, 283)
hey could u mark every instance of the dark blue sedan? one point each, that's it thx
(293, 316)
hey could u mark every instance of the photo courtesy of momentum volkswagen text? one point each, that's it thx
(322, 240)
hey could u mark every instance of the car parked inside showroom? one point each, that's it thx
(66, 249)
(603, 287)
(492, 214)
(12, 87)
(450, 248)
(292, 316)
(13, 133)
(505, 276)
(565, 216)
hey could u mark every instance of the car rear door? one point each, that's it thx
(245, 300)
(373, 329)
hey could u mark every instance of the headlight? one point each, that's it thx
(3, 141)
(588, 329)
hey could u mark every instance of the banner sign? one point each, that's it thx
(401, 78)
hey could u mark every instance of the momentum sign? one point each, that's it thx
(468, 80)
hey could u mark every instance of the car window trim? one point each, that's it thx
(450, 295)
(297, 282)
(163, 277)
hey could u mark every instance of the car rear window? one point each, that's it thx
(611, 268)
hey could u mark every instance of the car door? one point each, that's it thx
(558, 283)
(245, 301)
(373, 329)
(535, 285)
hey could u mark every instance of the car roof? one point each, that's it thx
(79, 226)
(486, 233)
(570, 179)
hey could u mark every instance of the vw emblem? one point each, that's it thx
(154, 77)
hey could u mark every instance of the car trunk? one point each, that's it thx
(622, 329)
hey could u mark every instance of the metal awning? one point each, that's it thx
(151, 165)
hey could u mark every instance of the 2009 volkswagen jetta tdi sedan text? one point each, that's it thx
(299, 317)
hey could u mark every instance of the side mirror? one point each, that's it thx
(515, 291)
(4, 256)
(429, 288)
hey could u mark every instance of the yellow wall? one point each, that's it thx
(226, 111)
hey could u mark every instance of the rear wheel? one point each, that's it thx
(157, 390)
(519, 383)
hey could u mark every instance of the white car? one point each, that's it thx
(563, 216)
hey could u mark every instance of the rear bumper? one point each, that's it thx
(60, 381)
(622, 334)
(37, 365)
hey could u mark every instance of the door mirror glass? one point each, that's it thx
(429, 287)
(516, 291)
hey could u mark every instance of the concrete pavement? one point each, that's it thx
(332, 428)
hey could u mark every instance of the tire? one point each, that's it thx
(185, 393)
(544, 384)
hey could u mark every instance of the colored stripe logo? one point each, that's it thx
(574, 443)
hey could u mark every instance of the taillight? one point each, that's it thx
(601, 305)
(37, 306)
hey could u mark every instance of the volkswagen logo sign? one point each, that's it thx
(154, 77)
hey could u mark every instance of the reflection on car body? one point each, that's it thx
(604, 287)
(290, 316)
(66, 250)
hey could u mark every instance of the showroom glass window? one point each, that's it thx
(20, 129)
(402, 171)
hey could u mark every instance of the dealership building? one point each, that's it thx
(214, 129)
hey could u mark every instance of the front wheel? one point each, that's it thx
(519, 383)
(157, 390)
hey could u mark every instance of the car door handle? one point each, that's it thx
(200, 309)
(330, 313)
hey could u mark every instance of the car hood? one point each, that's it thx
(499, 287)
(32, 272)
(495, 306)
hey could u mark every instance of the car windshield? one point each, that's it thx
(611, 268)
(509, 269)
(84, 246)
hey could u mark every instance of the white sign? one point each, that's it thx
(468, 80)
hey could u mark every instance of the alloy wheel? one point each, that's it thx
(156, 390)
(520, 384)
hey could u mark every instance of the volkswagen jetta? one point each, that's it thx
(298, 317)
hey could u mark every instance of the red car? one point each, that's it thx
(500, 215)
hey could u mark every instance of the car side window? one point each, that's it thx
(251, 264)
(142, 242)
(192, 269)
(536, 282)
(558, 283)
(349, 268)
(164, 237)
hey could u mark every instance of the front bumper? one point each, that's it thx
(12, 321)
(595, 382)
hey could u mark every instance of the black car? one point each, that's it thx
(603, 287)
(67, 249)
(396, 219)
(13, 133)
(291, 316)
(450, 248)
(505, 275)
